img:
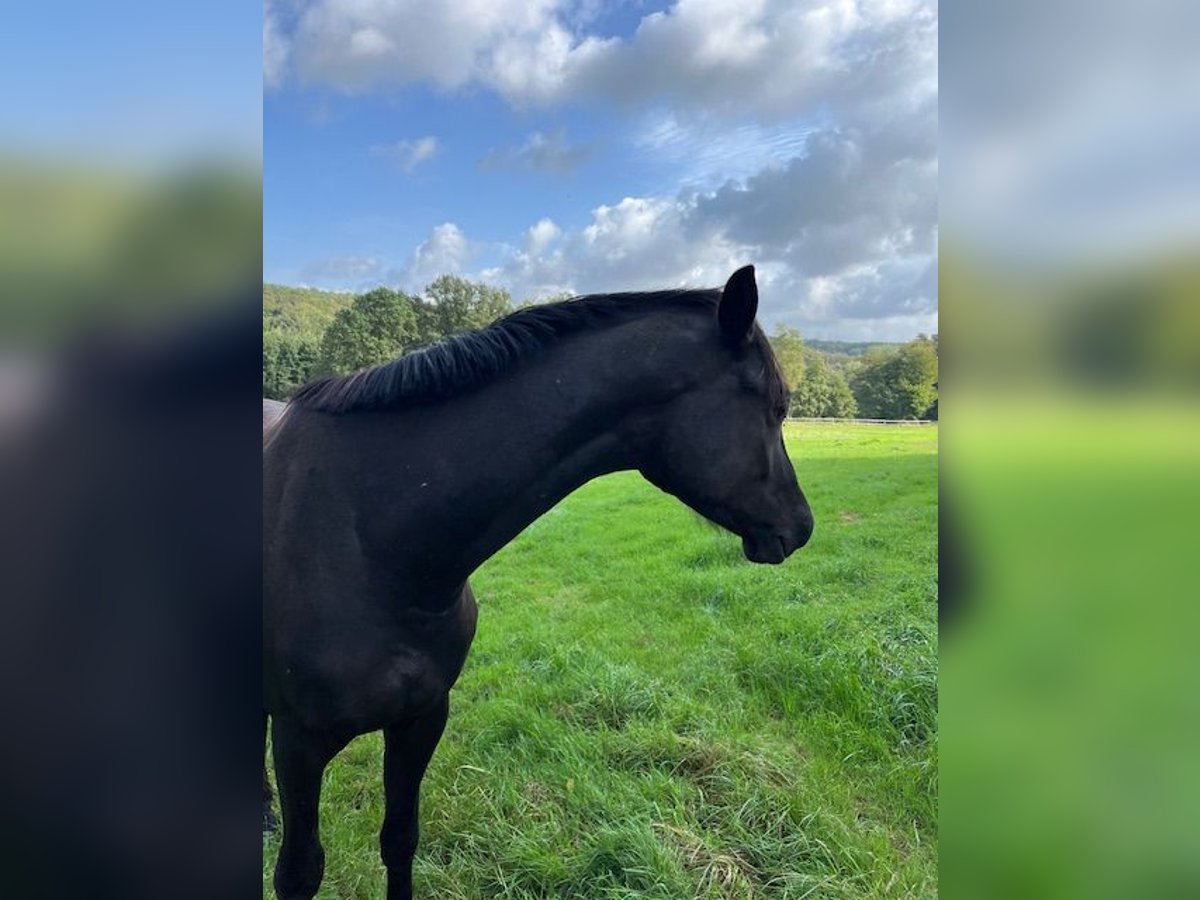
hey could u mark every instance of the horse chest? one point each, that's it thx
(364, 679)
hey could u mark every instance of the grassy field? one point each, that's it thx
(645, 714)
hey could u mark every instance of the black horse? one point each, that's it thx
(384, 490)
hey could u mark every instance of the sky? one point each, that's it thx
(552, 146)
(134, 84)
(1070, 132)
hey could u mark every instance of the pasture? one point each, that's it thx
(646, 714)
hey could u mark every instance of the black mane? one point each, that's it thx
(457, 364)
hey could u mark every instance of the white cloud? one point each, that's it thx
(775, 58)
(881, 292)
(541, 236)
(407, 154)
(802, 135)
(275, 48)
(548, 152)
(772, 59)
(355, 46)
(445, 252)
(639, 243)
(853, 198)
(845, 240)
(534, 67)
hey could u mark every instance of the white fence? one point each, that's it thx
(863, 421)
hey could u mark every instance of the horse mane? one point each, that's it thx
(463, 362)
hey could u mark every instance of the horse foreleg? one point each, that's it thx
(408, 749)
(300, 760)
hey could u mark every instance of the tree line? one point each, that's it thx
(884, 382)
(302, 340)
(308, 333)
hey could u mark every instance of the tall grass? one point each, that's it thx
(645, 714)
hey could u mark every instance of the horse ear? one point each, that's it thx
(738, 306)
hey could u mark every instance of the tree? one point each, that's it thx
(871, 385)
(842, 404)
(452, 305)
(824, 392)
(818, 389)
(378, 326)
(790, 354)
(897, 384)
(916, 378)
(289, 360)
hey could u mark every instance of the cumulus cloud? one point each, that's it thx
(777, 58)
(551, 153)
(355, 46)
(445, 252)
(407, 154)
(844, 234)
(540, 237)
(852, 198)
(774, 57)
(639, 243)
(884, 287)
(844, 237)
(802, 133)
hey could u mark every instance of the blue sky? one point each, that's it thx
(131, 82)
(573, 145)
(343, 177)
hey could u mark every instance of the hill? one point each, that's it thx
(846, 348)
(305, 311)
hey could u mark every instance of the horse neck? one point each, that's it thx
(520, 445)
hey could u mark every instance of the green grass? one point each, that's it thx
(645, 714)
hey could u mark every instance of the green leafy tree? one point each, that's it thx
(917, 375)
(842, 404)
(302, 310)
(789, 353)
(289, 360)
(897, 384)
(379, 325)
(872, 386)
(824, 392)
(452, 305)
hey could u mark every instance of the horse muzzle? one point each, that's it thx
(772, 547)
